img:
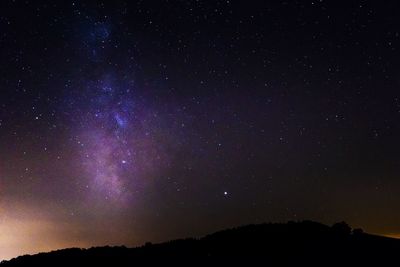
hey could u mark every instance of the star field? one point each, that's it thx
(123, 122)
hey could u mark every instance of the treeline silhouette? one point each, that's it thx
(304, 243)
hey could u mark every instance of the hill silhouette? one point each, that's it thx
(304, 243)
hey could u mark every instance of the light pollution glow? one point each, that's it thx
(28, 230)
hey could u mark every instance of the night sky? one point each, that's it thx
(123, 122)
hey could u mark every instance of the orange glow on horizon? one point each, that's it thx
(394, 235)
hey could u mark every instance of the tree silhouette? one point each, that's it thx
(341, 228)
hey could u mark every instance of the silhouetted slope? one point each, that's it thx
(292, 244)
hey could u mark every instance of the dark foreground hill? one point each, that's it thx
(292, 244)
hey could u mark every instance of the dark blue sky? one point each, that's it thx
(130, 121)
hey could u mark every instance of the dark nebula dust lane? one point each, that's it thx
(123, 122)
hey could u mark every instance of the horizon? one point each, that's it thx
(33, 252)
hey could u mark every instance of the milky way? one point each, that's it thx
(117, 140)
(114, 131)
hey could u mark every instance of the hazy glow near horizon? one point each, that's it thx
(26, 237)
(27, 230)
(21, 237)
